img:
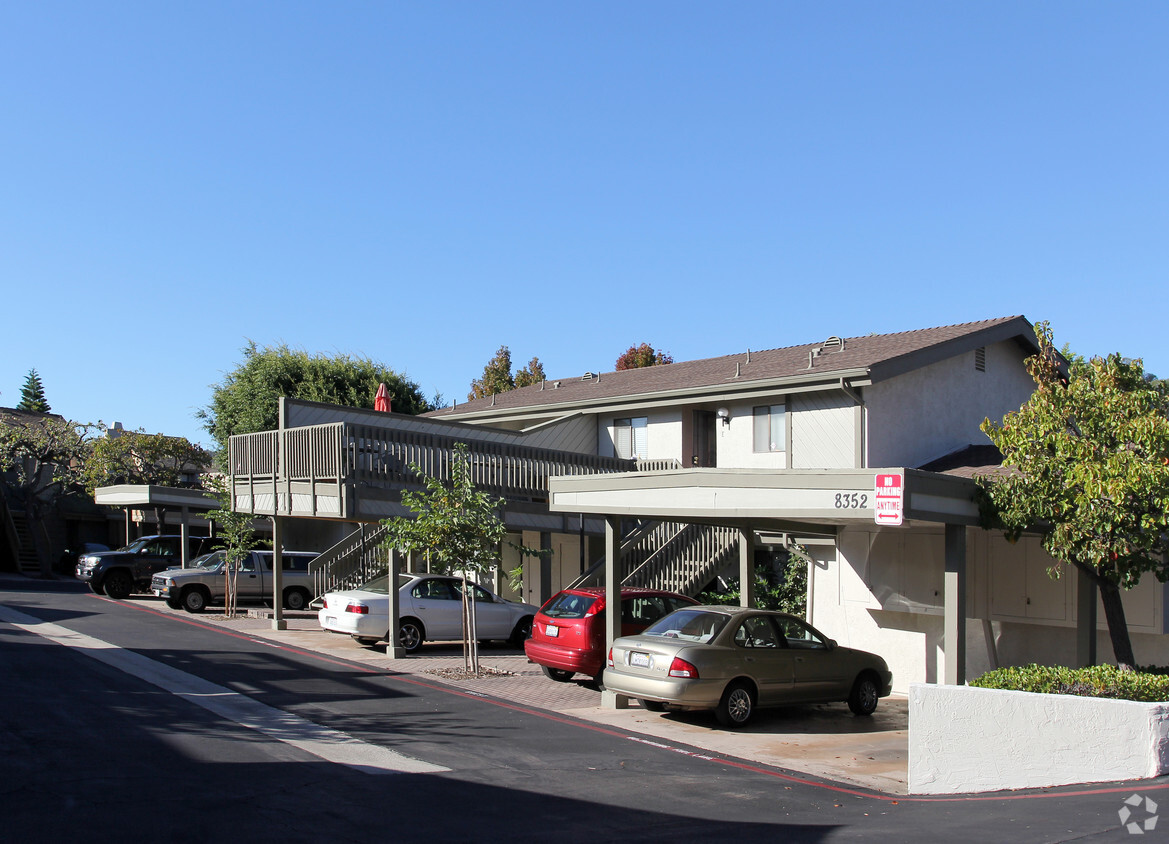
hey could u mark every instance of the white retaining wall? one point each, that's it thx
(965, 739)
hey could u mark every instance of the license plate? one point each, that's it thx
(552, 631)
(330, 620)
(639, 660)
(158, 593)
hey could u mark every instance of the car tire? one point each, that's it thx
(598, 681)
(195, 599)
(174, 603)
(118, 584)
(411, 635)
(521, 633)
(367, 641)
(96, 588)
(736, 706)
(652, 705)
(295, 599)
(557, 674)
(862, 700)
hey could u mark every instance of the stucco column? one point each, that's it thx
(612, 700)
(747, 568)
(1086, 593)
(394, 649)
(278, 622)
(954, 625)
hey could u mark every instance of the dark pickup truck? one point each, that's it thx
(129, 569)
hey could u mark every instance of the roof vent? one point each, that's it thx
(833, 344)
(588, 376)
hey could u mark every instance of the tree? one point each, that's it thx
(43, 457)
(234, 531)
(781, 583)
(247, 400)
(135, 457)
(643, 355)
(497, 376)
(460, 529)
(32, 394)
(1090, 450)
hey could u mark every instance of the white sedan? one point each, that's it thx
(430, 608)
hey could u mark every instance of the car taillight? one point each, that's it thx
(360, 609)
(681, 668)
(610, 657)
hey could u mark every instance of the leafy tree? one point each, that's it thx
(247, 400)
(1091, 454)
(497, 376)
(458, 526)
(779, 585)
(32, 394)
(135, 457)
(643, 355)
(42, 457)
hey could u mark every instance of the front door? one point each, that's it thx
(705, 427)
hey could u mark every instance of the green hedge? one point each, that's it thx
(1148, 684)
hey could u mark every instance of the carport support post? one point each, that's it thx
(394, 648)
(747, 568)
(278, 622)
(184, 537)
(1085, 619)
(612, 700)
(954, 626)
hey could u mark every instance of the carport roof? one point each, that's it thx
(785, 498)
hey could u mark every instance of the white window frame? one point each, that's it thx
(631, 437)
(769, 427)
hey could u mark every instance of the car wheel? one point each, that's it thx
(557, 674)
(174, 603)
(598, 681)
(195, 599)
(295, 598)
(652, 705)
(118, 584)
(366, 641)
(736, 706)
(862, 700)
(410, 635)
(96, 588)
(522, 632)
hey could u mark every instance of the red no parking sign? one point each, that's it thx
(889, 499)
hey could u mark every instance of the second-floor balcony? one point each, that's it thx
(356, 471)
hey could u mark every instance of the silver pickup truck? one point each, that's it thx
(203, 583)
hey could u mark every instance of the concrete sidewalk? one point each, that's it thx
(822, 741)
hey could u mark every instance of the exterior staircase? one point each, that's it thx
(674, 556)
(22, 543)
(356, 559)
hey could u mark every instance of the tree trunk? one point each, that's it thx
(1117, 626)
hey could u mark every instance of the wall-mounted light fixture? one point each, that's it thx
(724, 415)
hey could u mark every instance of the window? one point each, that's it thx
(771, 428)
(756, 632)
(631, 437)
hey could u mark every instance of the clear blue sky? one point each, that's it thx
(423, 182)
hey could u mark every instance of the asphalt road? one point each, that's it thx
(120, 724)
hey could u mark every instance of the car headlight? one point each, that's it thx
(170, 581)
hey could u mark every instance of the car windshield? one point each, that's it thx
(568, 605)
(208, 561)
(693, 625)
(136, 545)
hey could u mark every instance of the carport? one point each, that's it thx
(793, 501)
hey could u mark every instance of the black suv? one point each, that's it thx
(129, 569)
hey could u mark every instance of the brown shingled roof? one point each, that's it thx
(880, 355)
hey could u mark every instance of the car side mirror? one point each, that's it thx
(831, 644)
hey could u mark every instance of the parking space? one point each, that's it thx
(823, 741)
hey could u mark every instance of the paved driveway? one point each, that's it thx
(823, 741)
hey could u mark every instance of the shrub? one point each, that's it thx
(1147, 684)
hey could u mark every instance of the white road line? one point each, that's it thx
(330, 745)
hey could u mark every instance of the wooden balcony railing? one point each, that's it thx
(354, 455)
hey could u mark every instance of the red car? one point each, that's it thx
(568, 633)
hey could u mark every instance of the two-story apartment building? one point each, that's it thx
(761, 433)
(858, 451)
